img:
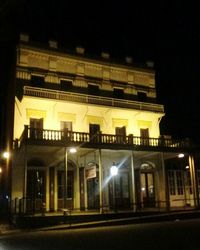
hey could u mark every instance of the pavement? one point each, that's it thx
(6, 228)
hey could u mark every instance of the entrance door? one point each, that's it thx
(93, 193)
(147, 189)
(61, 186)
(36, 192)
(119, 195)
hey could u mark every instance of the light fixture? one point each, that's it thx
(181, 155)
(113, 170)
(0, 170)
(72, 150)
(187, 167)
(6, 155)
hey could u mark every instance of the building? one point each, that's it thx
(75, 119)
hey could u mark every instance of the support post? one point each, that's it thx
(100, 184)
(133, 182)
(65, 178)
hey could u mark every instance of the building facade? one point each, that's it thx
(75, 118)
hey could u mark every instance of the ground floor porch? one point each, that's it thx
(58, 180)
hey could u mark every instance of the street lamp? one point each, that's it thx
(113, 173)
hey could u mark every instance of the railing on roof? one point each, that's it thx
(90, 99)
(82, 138)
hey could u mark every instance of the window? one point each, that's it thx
(175, 180)
(120, 134)
(93, 89)
(37, 80)
(118, 93)
(66, 85)
(142, 96)
(61, 184)
(94, 133)
(66, 125)
(36, 128)
(144, 133)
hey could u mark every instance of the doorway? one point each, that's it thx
(147, 189)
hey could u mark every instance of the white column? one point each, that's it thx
(133, 182)
(193, 179)
(65, 174)
(100, 183)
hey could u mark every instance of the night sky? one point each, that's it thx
(166, 32)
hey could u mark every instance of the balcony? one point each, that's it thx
(67, 138)
(90, 99)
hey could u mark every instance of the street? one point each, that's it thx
(174, 235)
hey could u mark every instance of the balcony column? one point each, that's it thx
(25, 178)
(164, 184)
(194, 183)
(133, 201)
(100, 183)
(65, 178)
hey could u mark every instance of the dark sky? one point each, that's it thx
(167, 32)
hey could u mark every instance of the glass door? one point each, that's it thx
(147, 189)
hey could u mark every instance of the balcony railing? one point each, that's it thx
(65, 137)
(90, 99)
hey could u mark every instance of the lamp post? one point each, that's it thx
(114, 173)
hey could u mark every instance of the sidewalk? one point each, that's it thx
(171, 216)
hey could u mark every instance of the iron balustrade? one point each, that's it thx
(90, 99)
(66, 136)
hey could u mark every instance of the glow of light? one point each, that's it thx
(72, 150)
(0, 170)
(180, 155)
(187, 167)
(114, 170)
(6, 155)
(143, 188)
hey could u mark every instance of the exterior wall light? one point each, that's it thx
(6, 155)
(114, 170)
(72, 150)
(187, 167)
(181, 155)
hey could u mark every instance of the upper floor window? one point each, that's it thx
(93, 89)
(66, 125)
(65, 84)
(118, 93)
(37, 80)
(142, 96)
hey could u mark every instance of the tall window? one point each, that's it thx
(118, 93)
(66, 125)
(93, 89)
(144, 133)
(120, 134)
(37, 81)
(36, 128)
(66, 85)
(175, 180)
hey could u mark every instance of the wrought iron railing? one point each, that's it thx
(91, 99)
(66, 136)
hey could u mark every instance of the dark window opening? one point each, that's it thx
(37, 81)
(118, 93)
(65, 85)
(93, 89)
(142, 96)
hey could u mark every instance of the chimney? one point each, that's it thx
(53, 44)
(129, 59)
(80, 50)
(24, 37)
(105, 55)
